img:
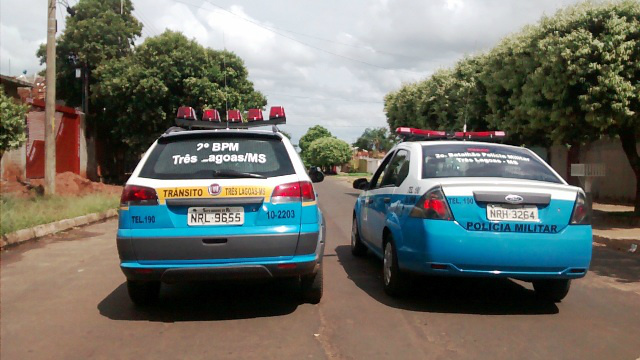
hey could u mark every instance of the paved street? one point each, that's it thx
(65, 298)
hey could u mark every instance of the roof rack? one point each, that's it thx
(413, 134)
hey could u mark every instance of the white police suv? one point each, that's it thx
(468, 208)
(225, 201)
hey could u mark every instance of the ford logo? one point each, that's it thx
(214, 189)
(514, 199)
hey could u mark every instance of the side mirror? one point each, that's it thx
(361, 184)
(315, 175)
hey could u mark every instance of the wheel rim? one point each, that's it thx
(354, 233)
(387, 262)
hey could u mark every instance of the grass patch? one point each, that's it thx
(23, 213)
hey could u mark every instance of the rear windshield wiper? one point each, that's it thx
(236, 174)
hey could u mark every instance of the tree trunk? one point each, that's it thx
(628, 139)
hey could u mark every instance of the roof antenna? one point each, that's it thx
(224, 62)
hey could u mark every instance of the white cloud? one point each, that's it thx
(389, 42)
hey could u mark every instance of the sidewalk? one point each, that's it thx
(615, 227)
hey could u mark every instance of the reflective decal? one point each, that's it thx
(213, 190)
(506, 227)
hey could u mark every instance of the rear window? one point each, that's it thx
(202, 157)
(462, 160)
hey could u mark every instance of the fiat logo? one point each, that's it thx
(214, 189)
(514, 199)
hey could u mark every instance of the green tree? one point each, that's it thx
(570, 79)
(314, 133)
(328, 151)
(97, 32)
(378, 139)
(12, 123)
(143, 91)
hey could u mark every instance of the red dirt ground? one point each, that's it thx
(67, 183)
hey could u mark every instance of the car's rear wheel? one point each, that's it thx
(312, 287)
(394, 279)
(555, 289)
(357, 247)
(143, 292)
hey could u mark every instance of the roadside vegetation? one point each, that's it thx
(25, 212)
(570, 79)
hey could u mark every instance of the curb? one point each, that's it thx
(624, 245)
(24, 235)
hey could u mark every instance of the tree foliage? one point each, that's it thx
(572, 78)
(328, 151)
(96, 33)
(143, 91)
(314, 133)
(12, 123)
(378, 139)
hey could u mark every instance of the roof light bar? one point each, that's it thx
(186, 112)
(186, 118)
(412, 134)
(471, 135)
(234, 116)
(255, 115)
(276, 112)
(211, 115)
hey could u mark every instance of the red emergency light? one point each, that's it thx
(276, 112)
(470, 135)
(211, 119)
(413, 134)
(428, 134)
(234, 116)
(211, 115)
(186, 112)
(255, 115)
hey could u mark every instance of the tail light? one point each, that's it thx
(580, 215)
(138, 195)
(432, 205)
(293, 192)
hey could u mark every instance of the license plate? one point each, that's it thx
(197, 216)
(512, 212)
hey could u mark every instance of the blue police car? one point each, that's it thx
(216, 199)
(471, 208)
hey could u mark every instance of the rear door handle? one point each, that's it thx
(386, 200)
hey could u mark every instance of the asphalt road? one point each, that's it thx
(65, 298)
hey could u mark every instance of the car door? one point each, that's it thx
(394, 173)
(368, 200)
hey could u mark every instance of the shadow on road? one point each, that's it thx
(446, 295)
(206, 302)
(625, 268)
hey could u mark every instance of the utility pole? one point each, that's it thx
(50, 105)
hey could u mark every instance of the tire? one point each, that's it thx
(554, 290)
(358, 249)
(143, 292)
(393, 279)
(311, 287)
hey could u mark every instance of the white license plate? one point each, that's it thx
(197, 216)
(522, 213)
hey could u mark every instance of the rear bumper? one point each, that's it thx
(231, 269)
(237, 257)
(445, 248)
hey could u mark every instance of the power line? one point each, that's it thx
(145, 23)
(325, 98)
(299, 41)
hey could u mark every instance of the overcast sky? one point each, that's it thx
(327, 62)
